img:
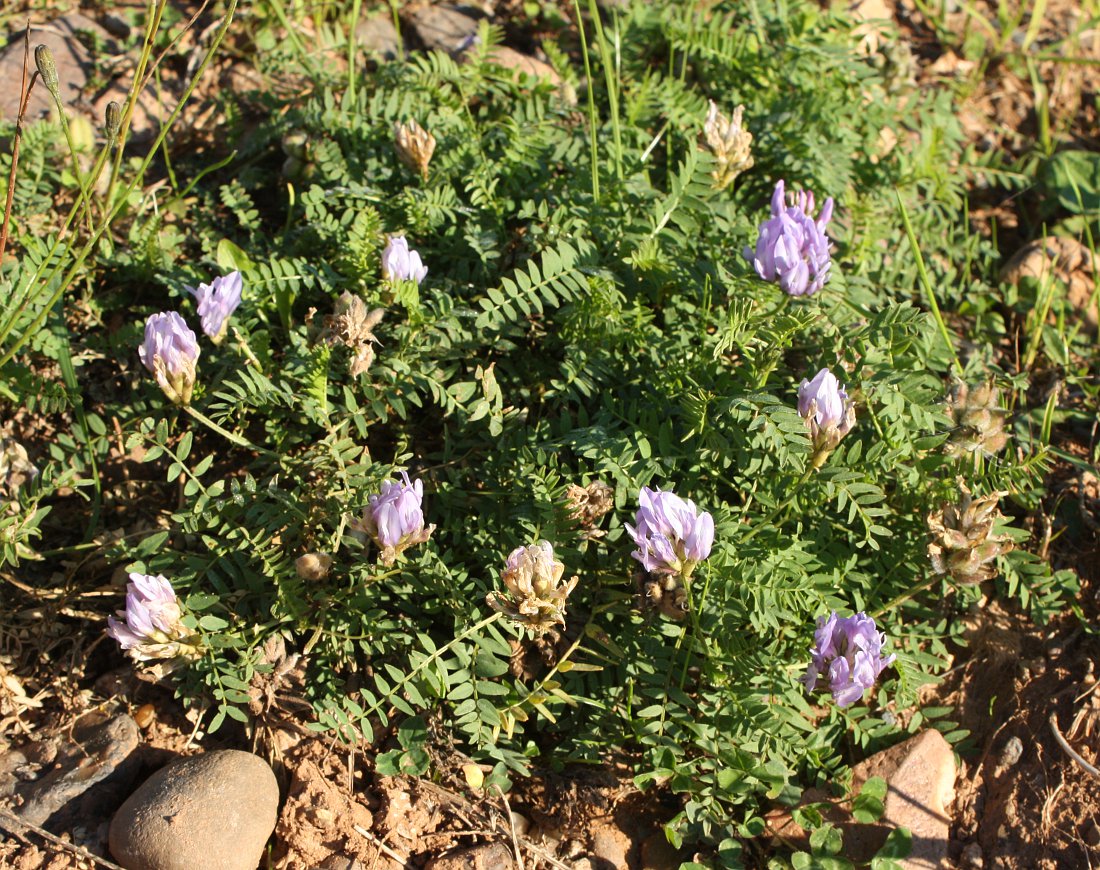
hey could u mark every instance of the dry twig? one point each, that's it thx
(25, 90)
(511, 826)
(363, 832)
(1069, 750)
(17, 826)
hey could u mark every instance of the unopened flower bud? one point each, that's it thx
(313, 566)
(112, 117)
(295, 144)
(414, 145)
(47, 69)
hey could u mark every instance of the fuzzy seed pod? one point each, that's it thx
(963, 545)
(16, 468)
(352, 325)
(534, 592)
(313, 566)
(979, 421)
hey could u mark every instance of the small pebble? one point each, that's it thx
(1092, 834)
(973, 857)
(522, 825)
(1010, 754)
(145, 715)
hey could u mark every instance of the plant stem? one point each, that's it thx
(782, 506)
(239, 440)
(593, 147)
(926, 283)
(473, 629)
(905, 596)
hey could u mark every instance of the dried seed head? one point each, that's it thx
(352, 325)
(729, 142)
(963, 545)
(414, 145)
(313, 566)
(47, 69)
(979, 421)
(588, 504)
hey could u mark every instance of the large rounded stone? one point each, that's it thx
(208, 812)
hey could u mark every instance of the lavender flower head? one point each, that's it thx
(217, 301)
(170, 351)
(828, 412)
(847, 653)
(792, 248)
(671, 534)
(535, 593)
(394, 519)
(400, 263)
(151, 626)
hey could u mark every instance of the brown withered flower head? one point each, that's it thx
(963, 545)
(729, 142)
(979, 421)
(414, 145)
(16, 468)
(588, 504)
(352, 325)
(534, 593)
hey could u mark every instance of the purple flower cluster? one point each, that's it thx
(401, 263)
(151, 626)
(170, 351)
(217, 301)
(792, 249)
(847, 654)
(394, 519)
(671, 534)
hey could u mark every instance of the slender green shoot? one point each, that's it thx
(593, 146)
(926, 284)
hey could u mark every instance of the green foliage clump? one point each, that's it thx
(588, 315)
